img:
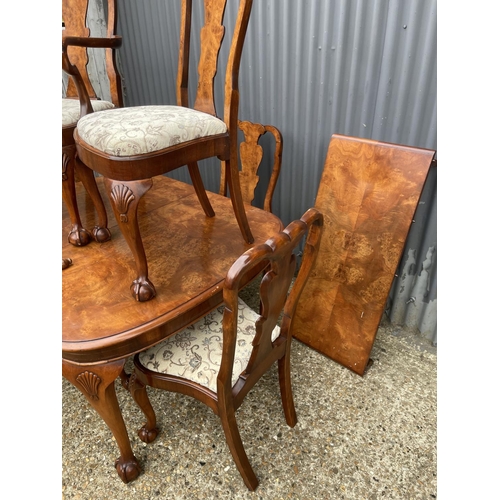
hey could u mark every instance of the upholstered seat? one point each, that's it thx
(145, 129)
(196, 352)
(71, 110)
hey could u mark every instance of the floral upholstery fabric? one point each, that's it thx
(71, 110)
(145, 129)
(195, 353)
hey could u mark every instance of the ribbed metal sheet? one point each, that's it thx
(313, 68)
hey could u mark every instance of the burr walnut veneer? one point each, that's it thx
(368, 195)
(190, 255)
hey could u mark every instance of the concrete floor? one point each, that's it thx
(357, 437)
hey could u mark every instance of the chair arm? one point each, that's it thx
(92, 42)
(72, 71)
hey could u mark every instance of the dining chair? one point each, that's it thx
(221, 357)
(130, 146)
(81, 99)
(251, 155)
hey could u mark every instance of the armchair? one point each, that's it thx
(80, 100)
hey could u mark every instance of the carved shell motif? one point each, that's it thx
(122, 196)
(90, 383)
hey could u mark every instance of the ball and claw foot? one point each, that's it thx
(142, 290)
(79, 237)
(147, 435)
(127, 471)
(101, 234)
(66, 262)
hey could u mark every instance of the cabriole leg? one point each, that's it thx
(137, 389)
(78, 235)
(100, 232)
(96, 383)
(125, 197)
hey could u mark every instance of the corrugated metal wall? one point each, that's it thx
(312, 68)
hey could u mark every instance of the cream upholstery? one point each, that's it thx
(145, 129)
(71, 110)
(195, 353)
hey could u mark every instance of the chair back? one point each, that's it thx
(211, 36)
(74, 14)
(277, 299)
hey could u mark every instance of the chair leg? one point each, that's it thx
(286, 389)
(125, 197)
(101, 233)
(233, 181)
(66, 262)
(197, 181)
(78, 236)
(233, 439)
(137, 389)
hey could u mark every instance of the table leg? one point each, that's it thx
(97, 384)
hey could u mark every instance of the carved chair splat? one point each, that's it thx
(251, 155)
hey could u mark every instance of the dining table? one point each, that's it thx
(189, 255)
